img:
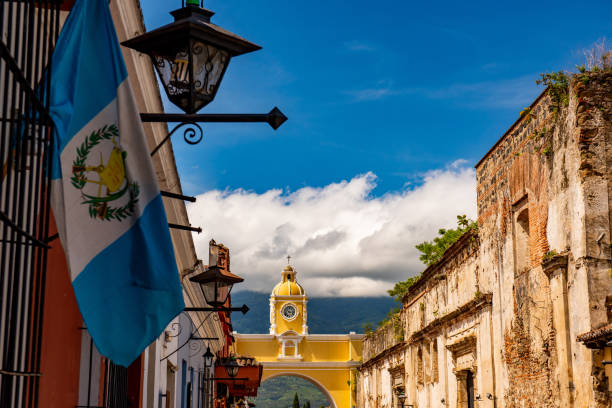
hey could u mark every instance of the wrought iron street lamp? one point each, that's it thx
(216, 284)
(232, 367)
(191, 55)
(209, 358)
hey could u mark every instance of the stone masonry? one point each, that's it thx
(503, 319)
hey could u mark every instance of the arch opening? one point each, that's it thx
(320, 387)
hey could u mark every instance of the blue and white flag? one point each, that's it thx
(105, 195)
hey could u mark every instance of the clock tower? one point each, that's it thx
(288, 306)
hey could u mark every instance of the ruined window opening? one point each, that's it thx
(521, 241)
(469, 387)
(420, 366)
(434, 361)
(427, 362)
(465, 389)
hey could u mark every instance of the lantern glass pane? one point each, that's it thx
(232, 368)
(208, 358)
(174, 73)
(209, 290)
(223, 291)
(216, 292)
(209, 64)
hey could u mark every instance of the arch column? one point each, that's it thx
(272, 315)
(304, 318)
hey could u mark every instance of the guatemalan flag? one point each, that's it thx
(106, 200)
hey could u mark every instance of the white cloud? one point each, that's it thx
(344, 241)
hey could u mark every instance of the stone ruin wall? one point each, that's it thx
(514, 177)
(554, 166)
(556, 169)
(443, 287)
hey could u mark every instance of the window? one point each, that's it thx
(419, 373)
(465, 389)
(521, 240)
(434, 361)
(469, 388)
(427, 363)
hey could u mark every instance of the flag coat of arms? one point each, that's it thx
(105, 196)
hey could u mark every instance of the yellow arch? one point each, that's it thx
(327, 360)
(314, 382)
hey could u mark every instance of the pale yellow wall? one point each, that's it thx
(262, 350)
(324, 350)
(356, 350)
(314, 351)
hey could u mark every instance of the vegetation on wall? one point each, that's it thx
(598, 59)
(558, 88)
(431, 253)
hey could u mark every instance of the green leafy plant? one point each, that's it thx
(539, 133)
(368, 328)
(296, 401)
(477, 294)
(549, 255)
(432, 251)
(558, 88)
(401, 288)
(527, 113)
(398, 328)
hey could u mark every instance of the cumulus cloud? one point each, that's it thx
(344, 241)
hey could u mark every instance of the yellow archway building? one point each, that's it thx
(327, 360)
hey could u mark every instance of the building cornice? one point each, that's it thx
(384, 354)
(309, 337)
(467, 239)
(311, 364)
(463, 311)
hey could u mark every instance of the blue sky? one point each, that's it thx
(393, 87)
(390, 105)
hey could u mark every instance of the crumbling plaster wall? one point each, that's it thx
(375, 382)
(443, 310)
(537, 274)
(554, 165)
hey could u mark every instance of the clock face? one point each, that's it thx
(289, 311)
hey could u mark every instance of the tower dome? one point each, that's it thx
(288, 286)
